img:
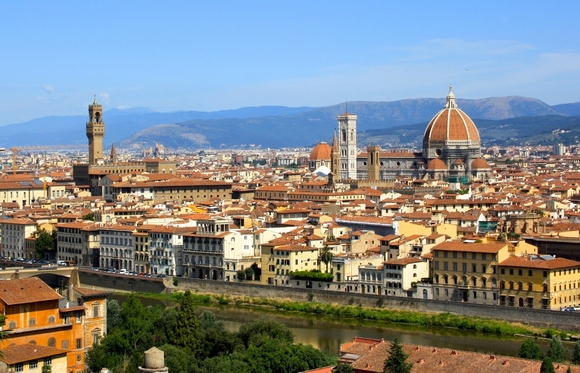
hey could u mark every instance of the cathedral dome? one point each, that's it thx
(451, 134)
(321, 152)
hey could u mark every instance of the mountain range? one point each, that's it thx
(500, 120)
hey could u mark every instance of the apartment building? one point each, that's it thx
(539, 281)
(467, 272)
(117, 249)
(14, 234)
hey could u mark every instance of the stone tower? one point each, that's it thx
(95, 133)
(373, 163)
(347, 145)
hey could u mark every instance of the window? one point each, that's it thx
(48, 361)
(32, 322)
(33, 364)
(52, 342)
(95, 310)
(473, 256)
(64, 344)
(19, 367)
(12, 325)
(79, 316)
(79, 343)
(454, 266)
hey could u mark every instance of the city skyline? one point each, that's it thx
(210, 56)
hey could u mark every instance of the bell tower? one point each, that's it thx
(347, 146)
(95, 133)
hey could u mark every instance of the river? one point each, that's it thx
(327, 333)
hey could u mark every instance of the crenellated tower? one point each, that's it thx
(95, 133)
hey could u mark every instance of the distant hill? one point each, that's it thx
(542, 130)
(279, 126)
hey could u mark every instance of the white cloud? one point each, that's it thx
(48, 89)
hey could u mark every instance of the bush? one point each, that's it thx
(312, 275)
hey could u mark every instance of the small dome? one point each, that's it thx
(321, 152)
(458, 162)
(479, 163)
(436, 164)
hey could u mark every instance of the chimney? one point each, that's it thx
(70, 293)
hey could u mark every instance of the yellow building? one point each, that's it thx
(468, 271)
(544, 282)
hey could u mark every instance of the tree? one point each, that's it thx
(397, 360)
(343, 368)
(530, 350)
(547, 366)
(253, 333)
(556, 351)
(188, 334)
(90, 216)
(241, 275)
(45, 242)
(113, 314)
(576, 354)
(326, 256)
(249, 273)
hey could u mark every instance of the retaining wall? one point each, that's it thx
(543, 318)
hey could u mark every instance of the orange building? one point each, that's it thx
(38, 315)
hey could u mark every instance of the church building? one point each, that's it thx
(451, 151)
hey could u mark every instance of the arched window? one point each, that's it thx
(12, 325)
(32, 322)
(52, 342)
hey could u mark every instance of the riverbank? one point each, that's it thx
(445, 320)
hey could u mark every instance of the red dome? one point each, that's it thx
(321, 152)
(451, 124)
(436, 164)
(479, 163)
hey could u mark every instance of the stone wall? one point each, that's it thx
(122, 283)
(542, 318)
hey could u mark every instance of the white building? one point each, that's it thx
(14, 233)
(117, 249)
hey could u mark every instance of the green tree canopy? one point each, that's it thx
(326, 256)
(45, 242)
(556, 351)
(253, 333)
(530, 350)
(397, 360)
(547, 366)
(188, 333)
(576, 354)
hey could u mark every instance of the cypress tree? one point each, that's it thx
(547, 366)
(397, 360)
(530, 350)
(556, 351)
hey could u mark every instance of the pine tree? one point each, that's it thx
(556, 351)
(547, 366)
(576, 355)
(397, 360)
(530, 350)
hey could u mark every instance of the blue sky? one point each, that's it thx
(214, 55)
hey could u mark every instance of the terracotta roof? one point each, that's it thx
(321, 152)
(26, 290)
(533, 261)
(27, 352)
